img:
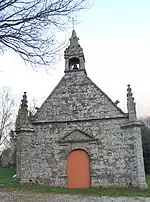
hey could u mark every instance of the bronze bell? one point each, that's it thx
(75, 66)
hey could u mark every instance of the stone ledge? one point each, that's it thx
(24, 129)
(132, 124)
(78, 120)
(75, 70)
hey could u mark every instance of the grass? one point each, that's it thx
(6, 174)
(6, 184)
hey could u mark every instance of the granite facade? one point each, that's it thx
(79, 115)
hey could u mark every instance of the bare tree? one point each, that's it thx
(146, 121)
(33, 107)
(7, 111)
(28, 27)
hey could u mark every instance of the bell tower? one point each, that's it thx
(74, 56)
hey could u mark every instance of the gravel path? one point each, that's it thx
(28, 197)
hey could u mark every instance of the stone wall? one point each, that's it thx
(44, 152)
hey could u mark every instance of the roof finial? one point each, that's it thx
(131, 104)
(129, 93)
(22, 118)
(24, 101)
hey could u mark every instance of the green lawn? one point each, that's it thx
(6, 184)
(6, 174)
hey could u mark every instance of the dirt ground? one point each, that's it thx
(16, 196)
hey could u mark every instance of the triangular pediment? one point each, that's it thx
(76, 97)
(77, 136)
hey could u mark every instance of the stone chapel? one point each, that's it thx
(79, 137)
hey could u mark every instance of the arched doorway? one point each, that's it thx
(78, 166)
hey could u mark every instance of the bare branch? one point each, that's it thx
(28, 27)
(146, 121)
(7, 104)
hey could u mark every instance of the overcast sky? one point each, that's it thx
(115, 37)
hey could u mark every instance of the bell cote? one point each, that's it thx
(74, 56)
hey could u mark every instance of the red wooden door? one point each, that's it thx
(78, 165)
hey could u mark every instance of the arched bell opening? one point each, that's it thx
(74, 63)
